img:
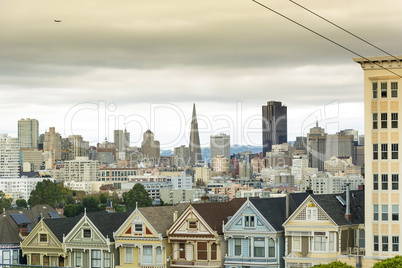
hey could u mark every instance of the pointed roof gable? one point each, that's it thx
(62, 226)
(217, 213)
(9, 230)
(107, 223)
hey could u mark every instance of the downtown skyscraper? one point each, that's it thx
(195, 147)
(274, 125)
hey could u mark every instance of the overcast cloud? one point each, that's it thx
(229, 57)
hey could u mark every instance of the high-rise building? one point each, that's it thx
(149, 146)
(382, 103)
(74, 146)
(274, 125)
(9, 159)
(28, 133)
(181, 156)
(52, 143)
(195, 147)
(121, 139)
(220, 145)
(220, 164)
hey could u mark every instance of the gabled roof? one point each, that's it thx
(217, 213)
(62, 226)
(161, 218)
(273, 209)
(331, 205)
(107, 223)
(9, 230)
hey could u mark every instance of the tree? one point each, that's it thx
(45, 192)
(103, 198)
(139, 195)
(4, 202)
(21, 203)
(116, 200)
(91, 204)
(72, 210)
(390, 262)
(335, 264)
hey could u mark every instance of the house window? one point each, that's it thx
(384, 120)
(296, 243)
(384, 151)
(202, 251)
(107, 259)
(375, 212)
(78, 258)
(138, 227)
(375, 151)
(319, 243)
(35, 259)
(394, 120)
(237, 246)
(384, 181)
(311, 212)
(375, 181)
(375, 121)
(46, 260)
(394, 89)
(192, 224)
(375, 88)
(43, 238)
(15, 257)
(159, 255)
(384, 212)
(147, 255)
(332, 241)
(394, 150)
(182, 254)
(395, 181)
(259, 247)
(271, 248)
(395, 212)
(96, 259)
(383, 89)
(249, 221)
(376, 245)
(214, 251)
(395, 243)
(87, 233)
(384, 243)
(128, 255)
(6, 257)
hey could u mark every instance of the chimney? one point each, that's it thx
(287, 205)
(175, 215)
(348, 216)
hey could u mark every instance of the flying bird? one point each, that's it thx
(57, 20)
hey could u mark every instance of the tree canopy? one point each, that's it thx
(335, 264)
(4, 202)
(139, 195)
(389, 263)
(21, 203)
(45, 192)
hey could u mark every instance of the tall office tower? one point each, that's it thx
(121, 139)
(220, 145)
(274, 125)
(149, 146)
(28, 133)
(195, 147)
(382, 103)
(316, 147)
(52, 143)
(9, 157)
(181, 156)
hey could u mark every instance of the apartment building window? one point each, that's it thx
(375, 151)
(375, 181)
(395, 243)
(259, 247)
(395, 212)
(384, 117)
(375, 88)
(271, 248)
(384, 212)
(395, 181)
(394, 150)
(383, 89)
(384, 182)
(384, 151)
(376, 246)
(375, 212)
(384, 243)
(394, 89)
(237, 247)
(394, 120)
(375, 120)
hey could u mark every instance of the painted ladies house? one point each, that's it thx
(326, 228)
(142, 240)
(199, 232)
(255, 234)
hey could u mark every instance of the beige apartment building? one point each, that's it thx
(28, 133)
(382, 103)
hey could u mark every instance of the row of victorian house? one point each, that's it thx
(298, 230)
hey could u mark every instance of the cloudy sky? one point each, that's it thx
(142, 64)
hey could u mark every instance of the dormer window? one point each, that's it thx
(249, 221)
(192, 225)
(43, 238)
(138, 228)
(311, 212)
(87, 233)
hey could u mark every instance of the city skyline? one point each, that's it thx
(136, 55)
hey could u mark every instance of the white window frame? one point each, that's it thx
(295, 242)
(319, 240)
(150, 248)
(78, 255)
(311, 213)
(332, 241)
(158, 255)
(128, 255)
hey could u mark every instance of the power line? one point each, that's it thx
(343, 29)
(324, 37)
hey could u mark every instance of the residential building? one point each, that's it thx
(341, 164)
(117, 174)
(274, 125)
(121, 139)
(202, 174)
(181, 156)
(149, 146)
(174, 196)
(220, 145)
(195, 147)
(220, 164)
(153, 188)
(28, 133)
(299, 167)
(181, 182)
(52, 143)
(106, 147)
(19, 188)
(328, 184)
(9, 160)
(81, 170)
(32, 160)
(74, 146)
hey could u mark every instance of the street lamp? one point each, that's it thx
(168, 259)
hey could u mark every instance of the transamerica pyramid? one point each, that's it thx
(195, 148)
